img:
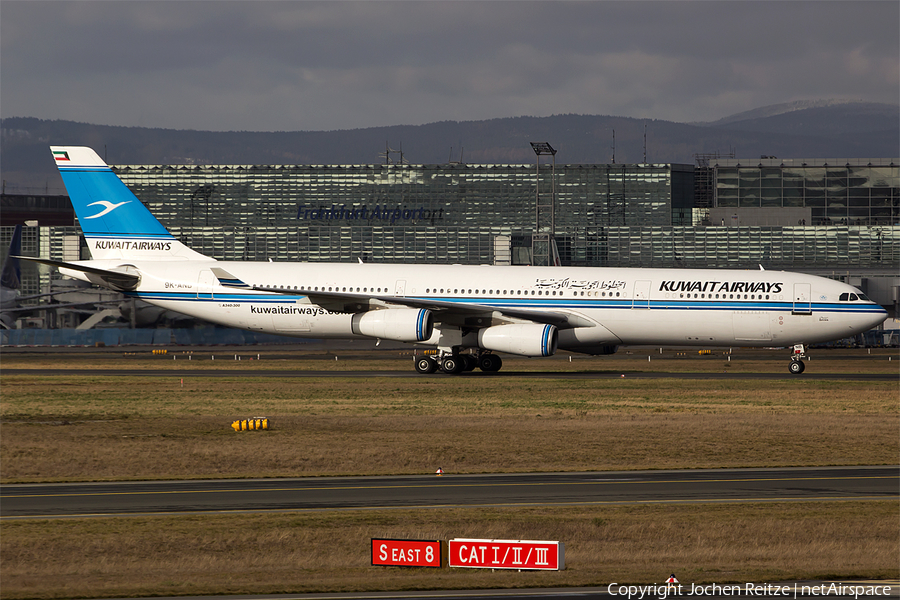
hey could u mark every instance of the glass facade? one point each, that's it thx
(790, 248)
(837, 191)
(606, 215)
(405, 213)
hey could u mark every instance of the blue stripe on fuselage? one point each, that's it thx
(543, 304)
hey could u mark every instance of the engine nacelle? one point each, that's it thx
(589, 340)
(525, 339)
(397, 324)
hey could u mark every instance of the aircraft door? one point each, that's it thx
(802, 299)
(400, 288)
(641, 294)
(205, 284)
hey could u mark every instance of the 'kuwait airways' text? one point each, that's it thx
(287, 310)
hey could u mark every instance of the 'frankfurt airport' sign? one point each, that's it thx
(507, 554)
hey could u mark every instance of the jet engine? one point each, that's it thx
(527, 339)
(397, 324)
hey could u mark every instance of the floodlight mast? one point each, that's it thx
(542, 243)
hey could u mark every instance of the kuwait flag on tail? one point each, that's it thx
(61, 155)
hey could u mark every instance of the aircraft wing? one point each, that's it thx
(461, 313)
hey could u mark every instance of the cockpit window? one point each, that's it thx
(848, 297)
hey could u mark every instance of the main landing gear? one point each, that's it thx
(454, 363)
(796, 367)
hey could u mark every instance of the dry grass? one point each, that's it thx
(290, 553)
(86, 427)
(95, 427)
(198, 447)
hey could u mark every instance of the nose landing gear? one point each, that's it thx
(796, 367)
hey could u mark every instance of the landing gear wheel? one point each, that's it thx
(426, 365)
(469, 362)
(452, 365)
(490, 363)
(796, 367)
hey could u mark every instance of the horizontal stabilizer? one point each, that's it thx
(119, 280)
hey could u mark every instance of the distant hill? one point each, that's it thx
(823, 129)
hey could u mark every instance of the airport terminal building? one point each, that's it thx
(835, 217)
(466, 214)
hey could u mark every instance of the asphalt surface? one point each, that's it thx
(471, 374)
(378, 493)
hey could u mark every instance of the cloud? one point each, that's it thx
(337, 65)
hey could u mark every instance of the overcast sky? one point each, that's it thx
(287, 66)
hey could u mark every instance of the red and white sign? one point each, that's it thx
(507, 554)
(406, 553)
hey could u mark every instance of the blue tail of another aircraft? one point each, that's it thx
(116, 225)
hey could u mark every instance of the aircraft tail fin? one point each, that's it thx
(116, 225)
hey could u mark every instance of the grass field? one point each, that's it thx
(88, 427)
(284, 553)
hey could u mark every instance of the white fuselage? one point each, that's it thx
(622, 306)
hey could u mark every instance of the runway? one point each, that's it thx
(78, 500)
(263, 372)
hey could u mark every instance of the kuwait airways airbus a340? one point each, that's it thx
(467, 312)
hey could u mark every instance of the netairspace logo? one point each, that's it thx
(663, 591)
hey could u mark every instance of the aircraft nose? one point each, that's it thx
(875, 318)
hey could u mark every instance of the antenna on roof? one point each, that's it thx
(453, 162)
(388, 151)
(614, 147)
(645, 144)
